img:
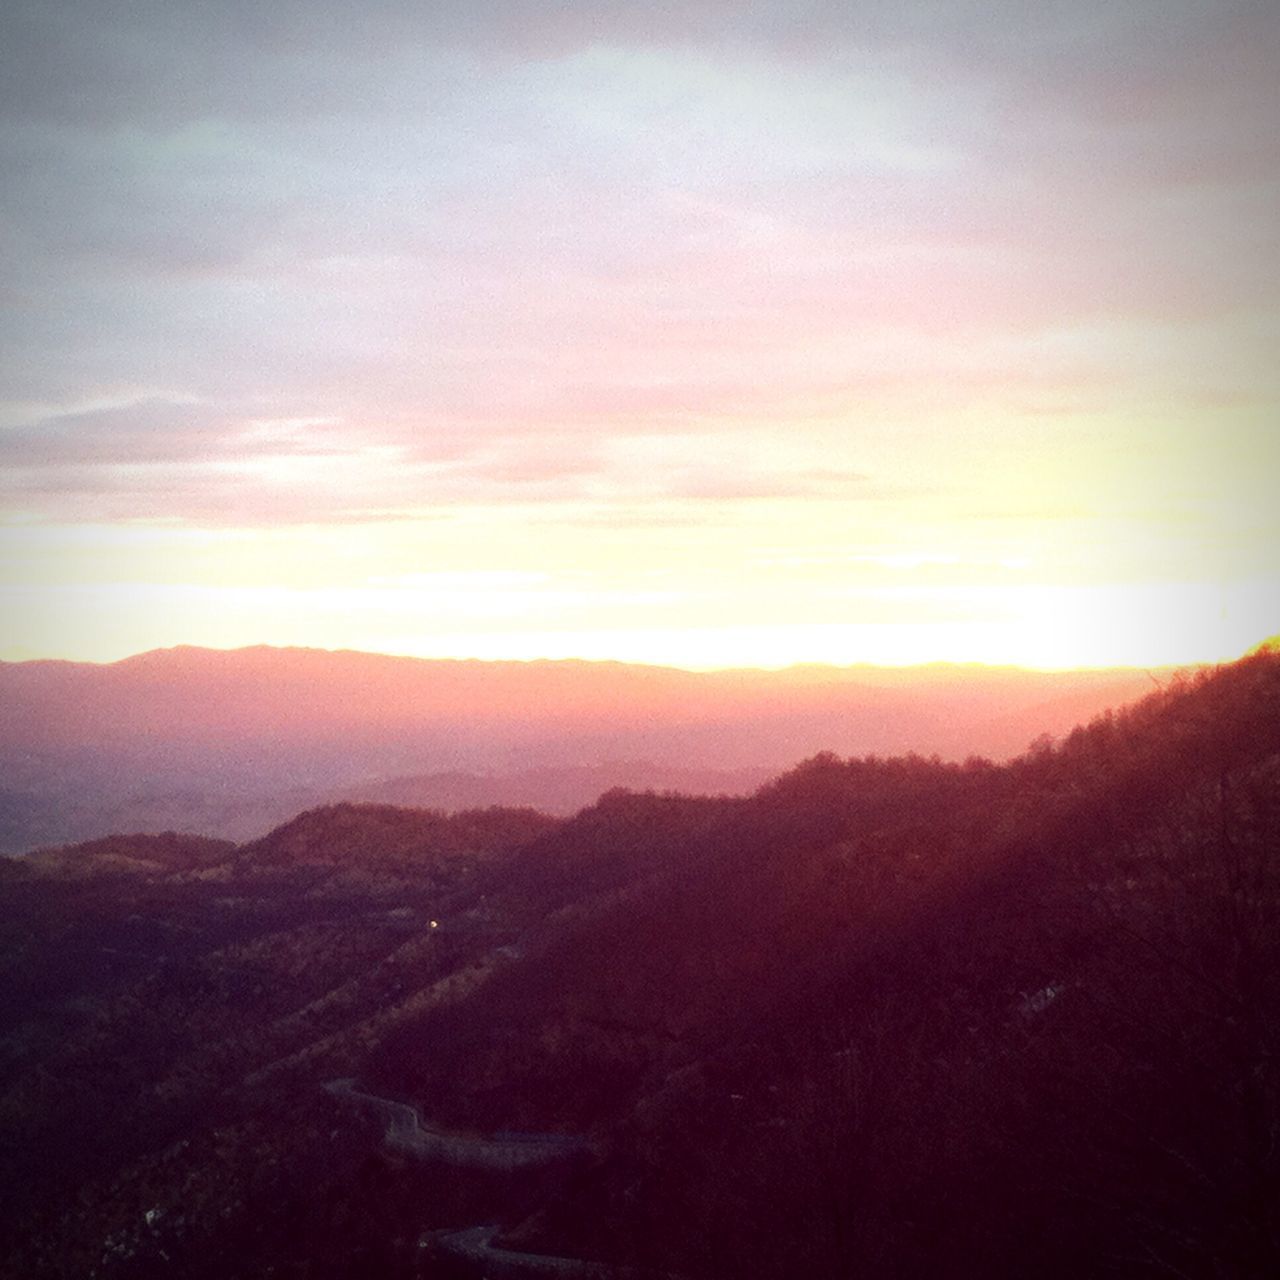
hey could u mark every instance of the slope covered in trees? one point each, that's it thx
(886, 1016)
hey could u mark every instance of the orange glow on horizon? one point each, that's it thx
(1044, 628)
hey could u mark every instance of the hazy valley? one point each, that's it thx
(231, 744)
(883, 1015)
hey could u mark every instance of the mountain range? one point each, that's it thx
(231, 743)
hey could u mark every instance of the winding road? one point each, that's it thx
(475, 1244)
(406, 1133)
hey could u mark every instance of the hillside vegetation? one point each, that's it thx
(885, 1016)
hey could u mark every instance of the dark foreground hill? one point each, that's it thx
(885, 1017)
(230, 744)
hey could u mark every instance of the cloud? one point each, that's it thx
(167, 461)
(153, 431)
(492, 245)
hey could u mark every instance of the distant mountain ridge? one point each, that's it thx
(231, 742)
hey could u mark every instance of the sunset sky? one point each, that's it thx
(706, 334)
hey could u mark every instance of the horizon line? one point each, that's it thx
(691, 669)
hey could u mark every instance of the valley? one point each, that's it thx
(233, 743)
(887, 1015)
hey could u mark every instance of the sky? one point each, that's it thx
(702, 334)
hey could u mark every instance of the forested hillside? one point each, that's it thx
(887, 1016)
